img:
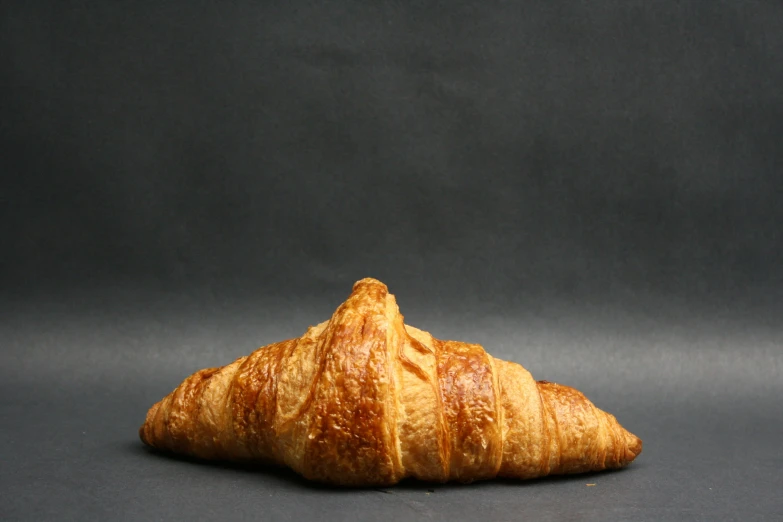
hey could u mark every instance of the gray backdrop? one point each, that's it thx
(589, 189)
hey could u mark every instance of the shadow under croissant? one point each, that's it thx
(288, 475)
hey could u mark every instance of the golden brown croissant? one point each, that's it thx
(364, 399)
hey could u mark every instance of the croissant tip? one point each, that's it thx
(634, 446)
(145, 430)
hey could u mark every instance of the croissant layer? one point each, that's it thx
(366, 400)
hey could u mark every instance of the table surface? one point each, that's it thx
(702, 390)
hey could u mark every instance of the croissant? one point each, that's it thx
(366, 400)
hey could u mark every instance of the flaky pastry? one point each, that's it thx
(366, 400)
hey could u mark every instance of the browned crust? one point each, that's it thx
(471, 411)
(350, 435)
(366, 400)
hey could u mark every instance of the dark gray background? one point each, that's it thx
(590, 189)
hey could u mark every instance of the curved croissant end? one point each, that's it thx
(364, 399)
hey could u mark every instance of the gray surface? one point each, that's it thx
(702, 390)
